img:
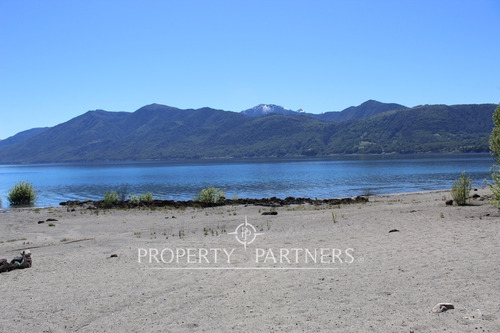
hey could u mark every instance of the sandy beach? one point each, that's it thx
(380, 266)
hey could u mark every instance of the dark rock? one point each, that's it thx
(114, 255)
(475, 196)
(449, 202)
(51, 220)
(40, 222)
(270, 213)
(393, 230)
(267, 202)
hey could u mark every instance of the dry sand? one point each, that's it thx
(440, 254)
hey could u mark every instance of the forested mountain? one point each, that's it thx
(367, 109)
(161, 132)
(22, 136)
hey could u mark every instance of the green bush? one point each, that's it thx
(133, 198)
(22, 193)
(460, 190)
(111, 198)
(211, 195)
(495, 152)
(146, 197)
(495, 188)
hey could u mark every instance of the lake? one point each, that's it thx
(334, 177)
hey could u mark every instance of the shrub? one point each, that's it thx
(495, 136)
(495, 188)
(133, 198)
(211, 195)
(111, 198)
(22, 193)
(460, 189)
(495, 152)
(146, 197)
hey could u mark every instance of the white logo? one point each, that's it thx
(245, 233)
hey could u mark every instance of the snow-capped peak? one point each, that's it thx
(263, 109)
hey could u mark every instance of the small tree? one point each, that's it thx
(495, 137)
(495, 188)
(460, 189)
(495, 152)
(22, 193)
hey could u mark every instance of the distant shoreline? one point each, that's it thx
(203, 160)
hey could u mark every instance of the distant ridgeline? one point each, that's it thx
(159, 132)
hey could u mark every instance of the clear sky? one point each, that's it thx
(59, 59)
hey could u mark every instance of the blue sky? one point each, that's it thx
(59, 59)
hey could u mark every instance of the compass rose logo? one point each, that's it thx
(245, 233)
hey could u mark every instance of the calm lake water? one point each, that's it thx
(315, 178)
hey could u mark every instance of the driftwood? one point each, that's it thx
(17, 263)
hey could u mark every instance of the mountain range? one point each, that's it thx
(159, 132)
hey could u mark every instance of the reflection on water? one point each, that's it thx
(314, 178)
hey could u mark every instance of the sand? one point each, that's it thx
(386, 282)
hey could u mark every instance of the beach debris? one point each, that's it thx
(442, 307)
(21, 262)
(114, 255)
(51, 220)
(40, 222)
(270, 213)
(393, 230)
(449, 202)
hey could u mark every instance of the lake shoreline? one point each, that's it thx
(311, 178)
(266, 202)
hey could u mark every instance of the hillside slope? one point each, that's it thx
(157, 132)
